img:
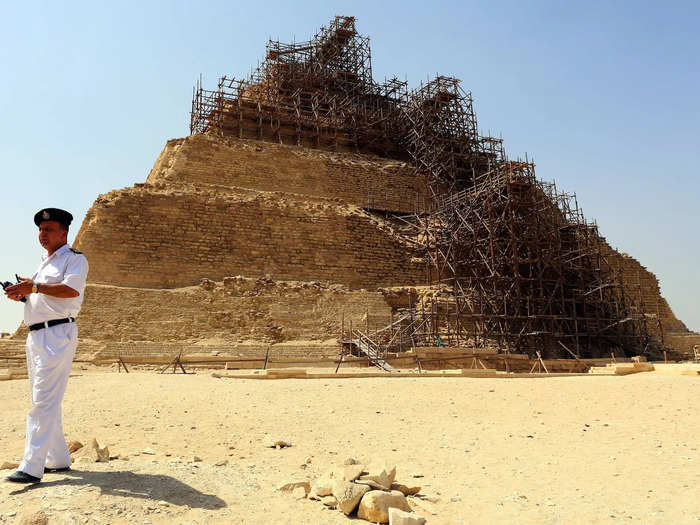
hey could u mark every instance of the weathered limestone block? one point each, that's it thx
(375, 505)
(362, 180)
(165, 237)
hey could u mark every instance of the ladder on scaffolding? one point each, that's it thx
(372, 350)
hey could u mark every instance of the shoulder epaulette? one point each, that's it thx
(75, 251)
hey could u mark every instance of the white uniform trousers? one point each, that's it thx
(50, 353)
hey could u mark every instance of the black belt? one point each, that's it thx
(53, 322)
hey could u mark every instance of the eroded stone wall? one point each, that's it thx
(643, 288)
(236, 311)
(166, 236)
(361, 180)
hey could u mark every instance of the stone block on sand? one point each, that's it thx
(400, 517)
(348, 495)
(92, 453)
(375, 505)
(406, 490)
(380, 475)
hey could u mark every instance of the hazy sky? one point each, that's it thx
(604, 95)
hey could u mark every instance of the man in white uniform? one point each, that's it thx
(53, 295)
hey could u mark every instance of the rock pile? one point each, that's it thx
(90, 454)
(370, 491)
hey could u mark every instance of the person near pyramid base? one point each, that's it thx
(54, 295)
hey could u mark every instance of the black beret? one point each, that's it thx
(53, 214)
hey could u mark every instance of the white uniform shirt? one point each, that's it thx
(63, 266)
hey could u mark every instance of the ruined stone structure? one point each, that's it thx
(309, 200)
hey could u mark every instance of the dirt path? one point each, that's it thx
(564, 450)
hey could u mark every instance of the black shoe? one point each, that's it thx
(22, 477)
(54, 470)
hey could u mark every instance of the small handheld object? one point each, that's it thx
(7, 284)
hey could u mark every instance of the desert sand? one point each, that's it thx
(595, 449)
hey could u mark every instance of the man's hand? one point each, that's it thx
(18, 291)
(24, 288)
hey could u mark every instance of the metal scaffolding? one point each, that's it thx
(512, 260)
(526, 271)
(317, 94)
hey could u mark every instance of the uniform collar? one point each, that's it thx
(62, 250)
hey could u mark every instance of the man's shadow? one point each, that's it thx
(133, 485)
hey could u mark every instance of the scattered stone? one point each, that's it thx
(381, 475)
(221, 463)
(352, 472)
(407, 491)
(400, 517)
(289, 487)
(350, 461)
(33, 517)
(423, 505)
(74, 446)
(330, 502)
(279, 443)
(8, 465)
(323, 486)
(148, 451)
(417, 475)
(348, 495)
(308, 460)
(196, 459)
(207, 284)
(93, 453)
(370, 483)
(299, 493)
(375, 505)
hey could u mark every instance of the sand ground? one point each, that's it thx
(556, 450)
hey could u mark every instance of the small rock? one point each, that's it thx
(375, 505)
(93, 453)
(74, 446)
(423, 504)
(323, 486)
(417, 475)
(289, 487)
(381, 475)
(352, 472)
(8, 465)
(33, 517)
(279, 443)
(308, 460)
(221, 463)
(348, 495)
(370, 483)
(330, 501)
(196, 459)
(407, 491)
(148, 451)
(400, 517)
(350, 461)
